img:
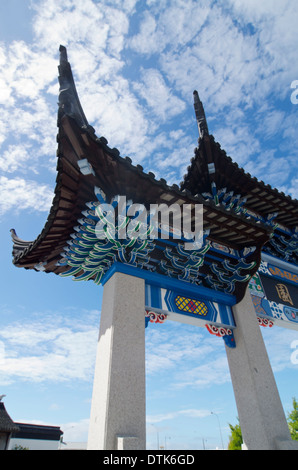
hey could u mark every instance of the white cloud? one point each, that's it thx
(17, 194)
(75, 431)
(115, 112)
(228, 75)
(28, 118)
(146, 41)
(275, 24)
(195, 360)
(191, 413)
(169, 25)
(211, 372)
(57, 23)
(78, 22)
(178, 354)
(13, 158)
(51, 350)
(291, 188)
(27, 71)
(158, 96)
(278, 343)
(5, 93)
(276, 173)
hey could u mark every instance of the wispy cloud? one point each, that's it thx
(197, 360)
(49, 350)
(14, 157)
(158, 96)
(176, 356)
(75, 431)
(19, 194)
(135, 70)
(190, 413)
(278, 343)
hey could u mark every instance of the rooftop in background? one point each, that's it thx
(6, 423)
(37, 431)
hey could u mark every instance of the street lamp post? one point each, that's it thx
(212, 412)
(157, 434)
(166, 441)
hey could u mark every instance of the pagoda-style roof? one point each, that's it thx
(238, 211)
(212, 167)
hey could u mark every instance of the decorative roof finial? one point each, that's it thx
(63, 54)
(69, 103)
(200, 115)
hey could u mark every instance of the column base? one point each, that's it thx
(127, 443)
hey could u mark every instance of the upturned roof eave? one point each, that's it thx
(26, 251)
(208, 148)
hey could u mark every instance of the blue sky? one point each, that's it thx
(136, 64)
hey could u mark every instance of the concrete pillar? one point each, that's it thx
(261, 415)
(118, 409)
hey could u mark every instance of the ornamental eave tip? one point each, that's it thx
(63, 53)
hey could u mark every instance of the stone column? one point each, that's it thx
(261, 415)
(118, 409)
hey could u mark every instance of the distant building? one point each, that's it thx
(36, 437)
(18, 436)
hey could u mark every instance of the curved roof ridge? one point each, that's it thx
(254, 178)
(207, 146)
(69, 102)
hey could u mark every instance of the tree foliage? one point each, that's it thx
(19, 447)
(235, 438)
(236, 435)
(293, 420)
